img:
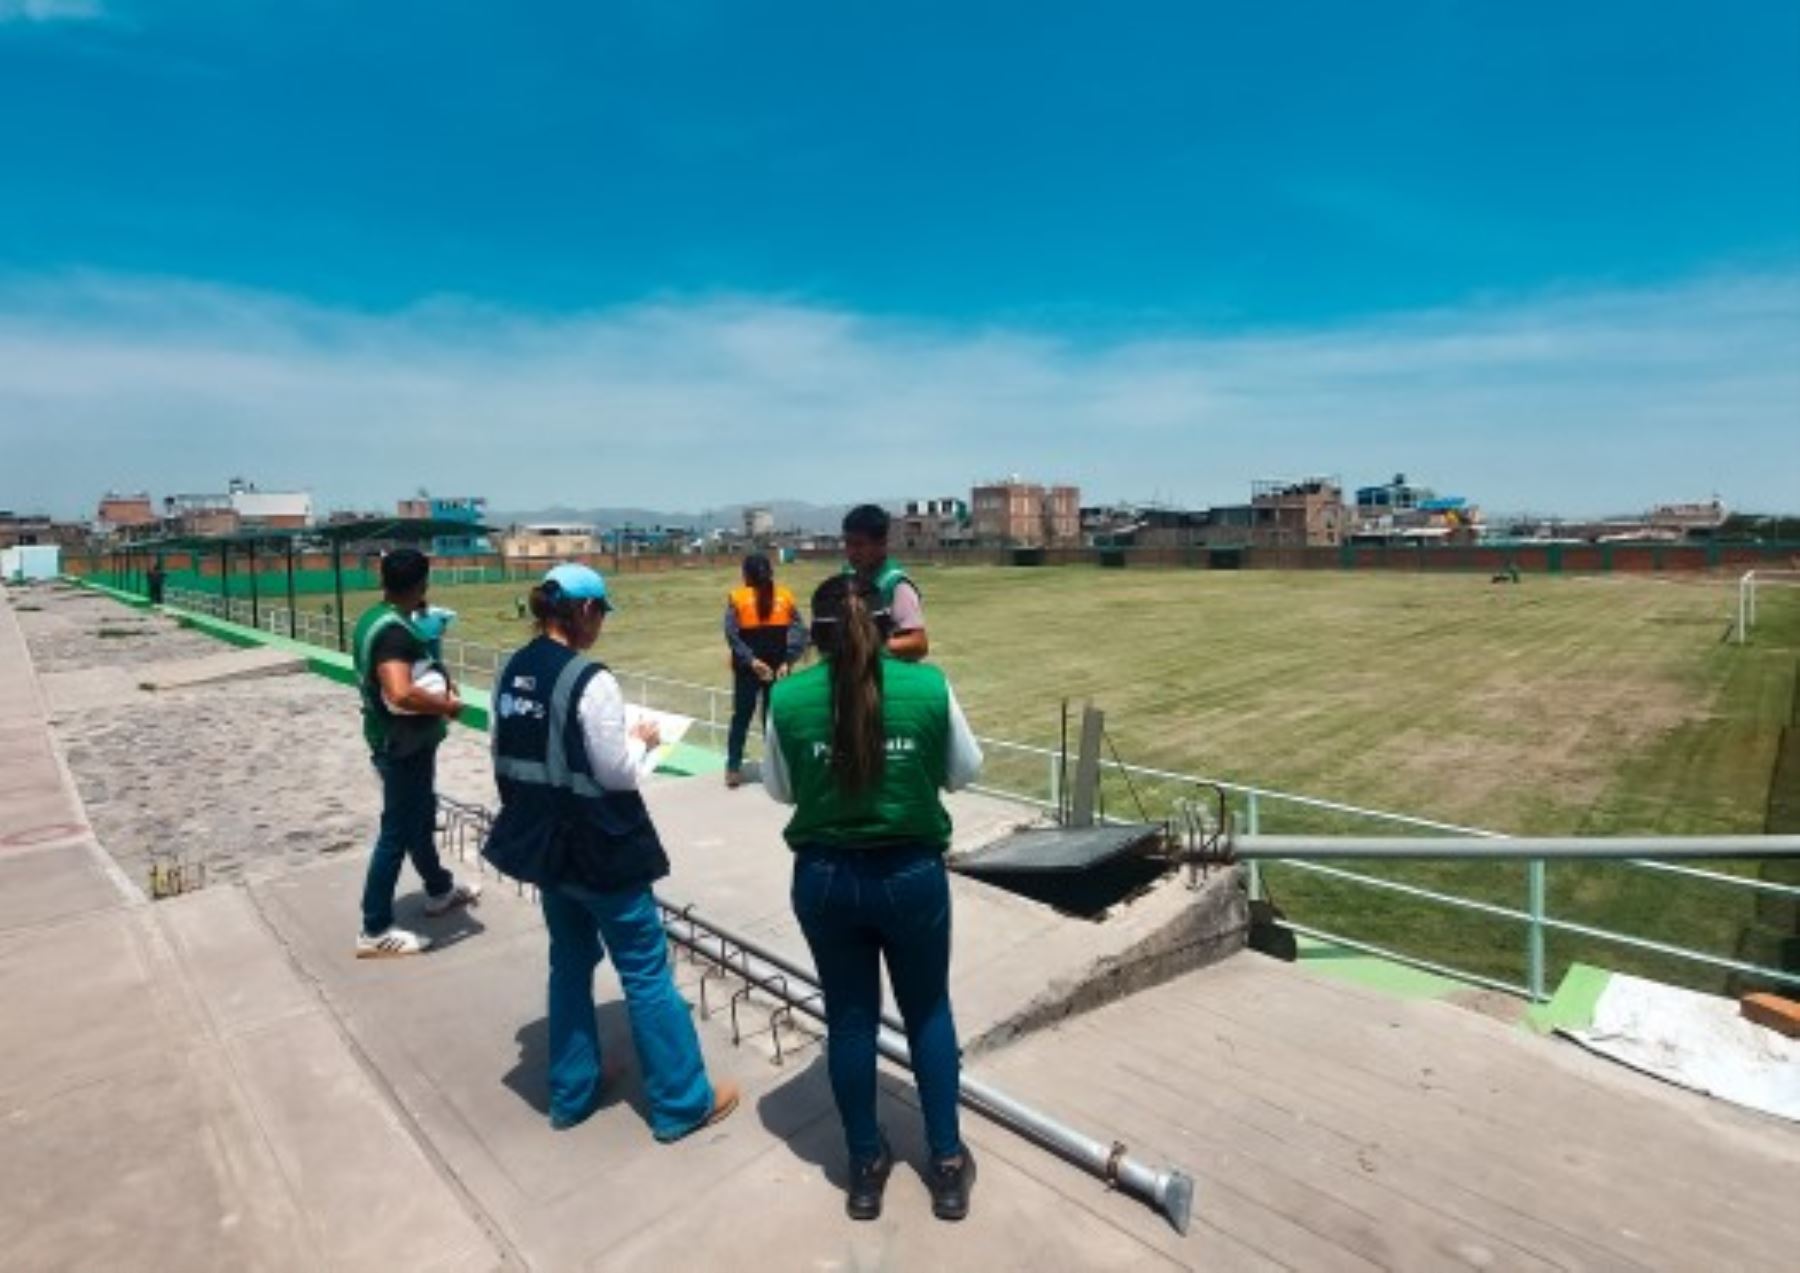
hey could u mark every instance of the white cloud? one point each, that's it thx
(50, 10)
(1584, 401)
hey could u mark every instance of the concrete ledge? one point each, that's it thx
(238, 665)
(117, 594)
(1170, 931)
(330, 664)
(1018, 966)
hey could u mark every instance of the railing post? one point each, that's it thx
(1534, 933)
(1253, 826)
(1056, 783)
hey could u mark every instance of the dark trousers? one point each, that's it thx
(408, 830)
(747, 692)
(859, 909)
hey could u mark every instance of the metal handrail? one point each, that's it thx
(1169, 1190)
(477, 662)
(1551, 848)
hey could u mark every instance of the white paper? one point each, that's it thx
(668, 724)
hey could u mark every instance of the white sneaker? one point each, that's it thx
(460, 894)
(390, 945)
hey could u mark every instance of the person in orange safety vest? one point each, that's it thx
(767, 635)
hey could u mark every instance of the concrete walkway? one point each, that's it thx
(213, 1082)
(149, 1119)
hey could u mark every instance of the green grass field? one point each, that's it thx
(1587, 705)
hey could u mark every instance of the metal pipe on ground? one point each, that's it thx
(1170, 1190)
(1516, 848)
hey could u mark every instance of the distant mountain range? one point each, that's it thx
(789, 515)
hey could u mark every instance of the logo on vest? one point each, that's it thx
(898, 745)
(518, 705)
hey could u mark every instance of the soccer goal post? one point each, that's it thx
(1748, 583)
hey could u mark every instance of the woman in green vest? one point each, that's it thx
(861, 744)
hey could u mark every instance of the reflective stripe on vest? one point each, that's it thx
(365, 648)
(554, 771)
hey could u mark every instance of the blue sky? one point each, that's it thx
(692, 253)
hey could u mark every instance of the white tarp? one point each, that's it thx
(1698, 1041)
(32, 562)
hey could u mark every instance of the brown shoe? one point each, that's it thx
(725, 1099)
(734, 779)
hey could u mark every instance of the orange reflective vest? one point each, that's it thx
(743, 600)
(767, 638)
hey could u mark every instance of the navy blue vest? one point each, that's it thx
(556, 824)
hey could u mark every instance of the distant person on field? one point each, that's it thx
(767, 636)
(860, 744)
(572, 822)
(406, 700)
(156, 581)
(901, 613)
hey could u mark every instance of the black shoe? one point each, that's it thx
(950, 1184)
(868, 1180)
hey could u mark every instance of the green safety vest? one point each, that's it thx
(903, 807)
(891, 575)
(377, 719)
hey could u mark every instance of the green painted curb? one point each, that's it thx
(687, 760)
(684, 759)
(1572, 1007)
(117, 594)
(330, 664)
(1345, 964)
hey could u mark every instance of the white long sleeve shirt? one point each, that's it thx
(615, 756)
(962, 758)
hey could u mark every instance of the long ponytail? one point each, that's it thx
(846, 635)
(760, 575)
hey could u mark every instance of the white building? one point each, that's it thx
(290, 509)
(559, 540)
(759, 523)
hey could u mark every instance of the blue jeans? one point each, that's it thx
(408, 829)
(746, 693)
(662, 1025)
(856, 909)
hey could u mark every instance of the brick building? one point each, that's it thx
(1019, 514)
(929, 524)
(124, 512)
(1305, 514)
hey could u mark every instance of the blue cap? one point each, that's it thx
(580, 582)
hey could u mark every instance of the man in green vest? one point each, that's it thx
(405, 703)
(866, 551)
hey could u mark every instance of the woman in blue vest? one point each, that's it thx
(861, 744)
(572, 822)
